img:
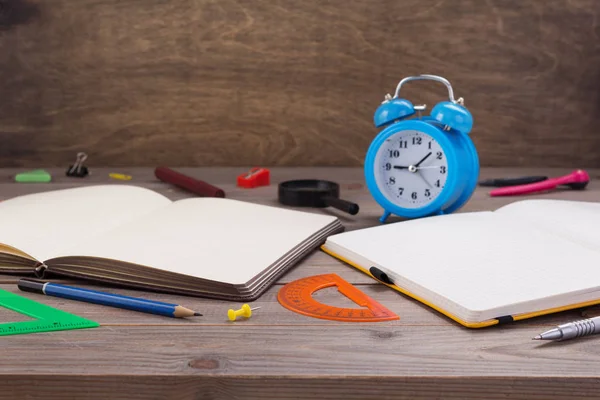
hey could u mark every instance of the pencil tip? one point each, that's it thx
(538, 337)
(197, 314)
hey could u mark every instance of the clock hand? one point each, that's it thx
(400, 167)
(423, 159)
(424, 180)
(429, 166)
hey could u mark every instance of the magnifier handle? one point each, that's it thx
(346, 206)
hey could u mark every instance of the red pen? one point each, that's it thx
(196, 186)
(577, 180)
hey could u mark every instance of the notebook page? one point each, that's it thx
(44, 224)
(219, 239)
(478, 260)
(577, 221)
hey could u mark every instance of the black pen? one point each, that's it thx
(502, 182)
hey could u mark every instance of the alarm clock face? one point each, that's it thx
(410, 169)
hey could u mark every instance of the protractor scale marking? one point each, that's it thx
(297, 296)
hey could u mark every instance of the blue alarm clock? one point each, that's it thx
(420, 165)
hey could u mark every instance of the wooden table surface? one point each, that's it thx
(278, 354)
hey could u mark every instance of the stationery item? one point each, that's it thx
(195, 186)
(245, 312)
(297, 296)
(35, 176)
(45, 318)
(105, 299)
(135, 237)
(121, 177)
(419, 166)
(314, 193)
(254, 178)
(78, 170)
(503, 182)
(577, 180)
(572, 330)
(528, 258)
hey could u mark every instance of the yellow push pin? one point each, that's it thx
(245, 311)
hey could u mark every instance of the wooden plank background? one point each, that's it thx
(288, 83)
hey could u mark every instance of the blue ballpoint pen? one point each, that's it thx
(106, 299)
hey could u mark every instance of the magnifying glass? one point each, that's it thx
(314, 193)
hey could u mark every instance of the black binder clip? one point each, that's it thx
(78, 169)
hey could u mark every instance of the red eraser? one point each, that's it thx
(254, 178)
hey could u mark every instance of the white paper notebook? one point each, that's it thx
(213, 247)
(528, 258)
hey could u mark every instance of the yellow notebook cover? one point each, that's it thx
(467, 324)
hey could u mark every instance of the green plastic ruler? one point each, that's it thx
(46, 318)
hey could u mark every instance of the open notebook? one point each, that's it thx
(128, 235)
(528, 258)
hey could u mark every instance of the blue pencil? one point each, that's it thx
(106, 299)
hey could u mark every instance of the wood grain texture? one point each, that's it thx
(336, 352)
(278, 354)
(287, 83)
(175, 387)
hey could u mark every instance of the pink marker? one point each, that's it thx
(577, 180)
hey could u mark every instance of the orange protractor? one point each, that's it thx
(297, 296)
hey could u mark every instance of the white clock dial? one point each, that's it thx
(411, 169)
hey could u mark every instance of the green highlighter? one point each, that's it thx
(35, 176)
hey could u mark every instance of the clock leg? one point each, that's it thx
(385, 216)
